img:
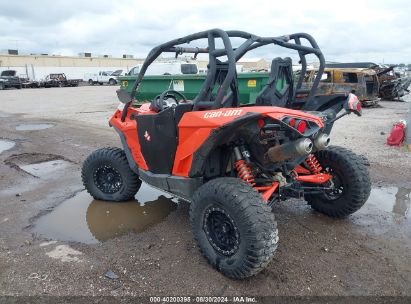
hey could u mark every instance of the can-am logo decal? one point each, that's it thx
(147, 136)
(228, 113)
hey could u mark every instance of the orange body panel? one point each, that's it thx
(194, 129)
(319, 178)
(129, 130)
(301, 170)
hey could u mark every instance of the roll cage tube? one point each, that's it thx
(254, 42)
(233, 55)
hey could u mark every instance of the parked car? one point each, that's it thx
(59, 80)
(103, 77)
(9, 79)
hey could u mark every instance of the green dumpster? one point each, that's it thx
(249, 85)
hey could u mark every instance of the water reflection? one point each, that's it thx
(82, 219)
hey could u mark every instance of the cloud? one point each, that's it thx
(353, 30)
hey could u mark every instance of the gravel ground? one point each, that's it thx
(368, 253)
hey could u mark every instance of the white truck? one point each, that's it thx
(103, 77)
(166, 68)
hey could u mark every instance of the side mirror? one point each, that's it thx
(123, 96)
(353, 105)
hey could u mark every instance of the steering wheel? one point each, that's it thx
(158, 102)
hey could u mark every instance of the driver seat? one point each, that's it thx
(279, 90)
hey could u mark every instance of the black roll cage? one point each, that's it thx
(251, 42)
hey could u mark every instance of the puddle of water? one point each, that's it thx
(33, 127)
(82, 219)
(44, 169)
(6, 145)
(395, 200)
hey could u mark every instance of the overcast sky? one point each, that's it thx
(352, 31)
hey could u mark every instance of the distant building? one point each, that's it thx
(38, 66)
(254, 64)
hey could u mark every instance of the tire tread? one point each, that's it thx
(262, 234)
(116, 155)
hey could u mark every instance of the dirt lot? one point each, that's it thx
(55, 240)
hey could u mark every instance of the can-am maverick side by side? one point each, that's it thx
(234, 162)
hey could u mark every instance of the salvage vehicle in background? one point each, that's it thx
(16, 80)
(391, 84)
(9, 79)
(29, 83)
(234, 161)
(103, 77)
(59, 80)
(335, 80)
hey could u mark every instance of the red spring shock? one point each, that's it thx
(313, 164)
(244, 172)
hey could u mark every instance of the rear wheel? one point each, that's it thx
(112, 82)
(234, 228)
(350, 184)
(91, 82)
(107, 175)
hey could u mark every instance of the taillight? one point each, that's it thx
(301, 126)
(359, 107)
(290, 121)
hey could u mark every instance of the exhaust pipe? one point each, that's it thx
(321, 142)
(300, 147)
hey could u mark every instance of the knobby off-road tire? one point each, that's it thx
(107, 175)
(351, 180)
(248, 224)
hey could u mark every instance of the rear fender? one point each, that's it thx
(191, 163)
(219, 136)
(334, 102)
(247, 128)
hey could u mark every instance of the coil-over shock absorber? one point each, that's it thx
(243, 169)
(313, 164)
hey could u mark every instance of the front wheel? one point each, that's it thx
(112, 82)
(350, 185)
(107, 175)
(234, 228)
